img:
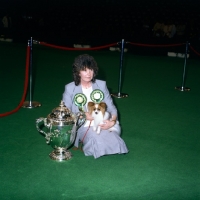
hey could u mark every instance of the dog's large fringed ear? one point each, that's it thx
(103, 105)
(90, 104)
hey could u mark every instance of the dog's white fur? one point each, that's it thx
(99, 113)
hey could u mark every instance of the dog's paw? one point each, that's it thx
(98, 130)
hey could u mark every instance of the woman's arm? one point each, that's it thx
(108, 123)
(67, 97)
(110, 108)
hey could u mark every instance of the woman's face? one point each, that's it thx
(86, 75)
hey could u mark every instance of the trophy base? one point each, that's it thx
(60, 154)
(31, 104)
(119, 95)
(182, 89)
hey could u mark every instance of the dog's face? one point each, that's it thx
(96, 108)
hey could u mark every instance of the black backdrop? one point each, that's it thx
(97, 22)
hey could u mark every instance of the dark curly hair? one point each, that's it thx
(81, 63)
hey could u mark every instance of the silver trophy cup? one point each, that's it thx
(61, 127)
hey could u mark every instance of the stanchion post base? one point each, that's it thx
(119, 95)
(32, 104)
(182, 89)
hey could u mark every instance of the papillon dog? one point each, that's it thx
(99, 113)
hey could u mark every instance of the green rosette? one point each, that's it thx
(80, 100)
(97, 96)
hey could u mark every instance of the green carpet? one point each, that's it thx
(160, 126)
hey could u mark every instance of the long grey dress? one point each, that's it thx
(94, 144)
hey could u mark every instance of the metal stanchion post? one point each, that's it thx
(30, 103)
(182, 87)
(119, 94)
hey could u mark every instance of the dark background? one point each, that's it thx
(97, 22)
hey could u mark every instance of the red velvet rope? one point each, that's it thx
(77, 49)
(113, 44)
(194, 50)
(155, 45)
(25, 85)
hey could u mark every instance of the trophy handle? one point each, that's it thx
(73, 134)
(81, 118)
(44, 120)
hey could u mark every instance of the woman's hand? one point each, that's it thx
(107, 124)
(88, 116)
